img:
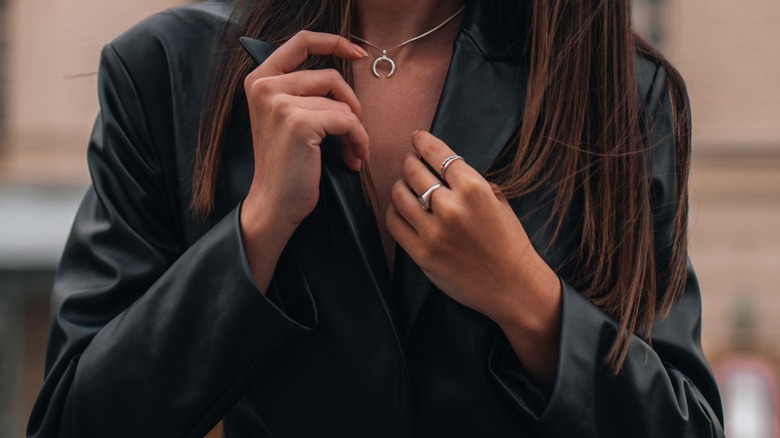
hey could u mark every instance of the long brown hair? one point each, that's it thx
(581, 134)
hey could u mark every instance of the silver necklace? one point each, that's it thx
(387, 59)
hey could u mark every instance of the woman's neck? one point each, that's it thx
(388, 23)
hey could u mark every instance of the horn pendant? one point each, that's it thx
(385, 59)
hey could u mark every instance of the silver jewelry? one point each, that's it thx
(425, 198)
(446, 163)
(387, 59)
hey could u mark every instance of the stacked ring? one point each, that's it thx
(446, 163)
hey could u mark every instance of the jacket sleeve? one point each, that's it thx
(666, 388)
(149, 338)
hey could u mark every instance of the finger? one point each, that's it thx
(350, 159)
(314, 103)
(434, 152)
(308, 83)
(417, 175)
(408, 206)
(345, 124)
(290, 55)
(399, 228)
(348, 154)
(326, 82)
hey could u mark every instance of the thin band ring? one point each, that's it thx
(446, 163)
(425, 198)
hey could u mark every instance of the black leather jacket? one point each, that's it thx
(160, 330)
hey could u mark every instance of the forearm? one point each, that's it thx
(264, 237)
(532, 322)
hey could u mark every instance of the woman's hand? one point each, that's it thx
(472, 246)
(291, 112)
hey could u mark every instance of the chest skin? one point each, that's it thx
(392, 109)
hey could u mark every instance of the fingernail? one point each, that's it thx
(415, 132)
(359, 50)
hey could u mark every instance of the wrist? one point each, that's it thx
(265, 237)
(531, 322)
(262, 218)
(533, 302)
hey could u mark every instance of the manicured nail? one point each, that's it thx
(359, 50)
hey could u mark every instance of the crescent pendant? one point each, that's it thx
(386, 59)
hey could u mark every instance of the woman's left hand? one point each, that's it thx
(470, 243)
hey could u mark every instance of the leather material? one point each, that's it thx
(160, 330)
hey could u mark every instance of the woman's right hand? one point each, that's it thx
(291, 111)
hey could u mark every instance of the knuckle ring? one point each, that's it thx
(425, 198)
(446, 163)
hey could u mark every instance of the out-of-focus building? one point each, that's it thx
(50, 64)
(49, 52)
(729, 53)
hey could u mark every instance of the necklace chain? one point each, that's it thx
(384, 56)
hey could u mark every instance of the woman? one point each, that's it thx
(343, 272)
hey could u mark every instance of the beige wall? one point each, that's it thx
(729, 53)
(735, 247)
(53, 49)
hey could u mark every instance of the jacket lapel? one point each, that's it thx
(348, 211)
(479, 113)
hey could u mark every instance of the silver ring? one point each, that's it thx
(425, 198)
(446, 163)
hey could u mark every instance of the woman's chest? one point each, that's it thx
(392, 110)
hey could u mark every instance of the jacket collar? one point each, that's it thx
(492, 25)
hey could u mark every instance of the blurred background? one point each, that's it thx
(728, 52)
